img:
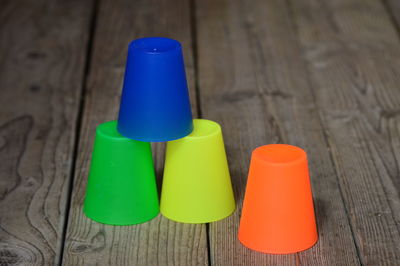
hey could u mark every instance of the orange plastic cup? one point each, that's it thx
(278, 212)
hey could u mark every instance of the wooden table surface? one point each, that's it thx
(320, 74)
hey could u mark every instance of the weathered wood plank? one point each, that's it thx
(42, 57)
(160, 241)
(353, 55)
(253, 81)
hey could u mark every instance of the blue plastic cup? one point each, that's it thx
(155, 103)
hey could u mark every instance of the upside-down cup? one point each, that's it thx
(197, 186)
(278, 212)
(121, 189)
(155, 103)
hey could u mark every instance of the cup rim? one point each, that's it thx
(115, 136)
(272, 149)
(155, 45)
(210, 122)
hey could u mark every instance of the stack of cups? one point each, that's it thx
(278, 214)
(155, 107)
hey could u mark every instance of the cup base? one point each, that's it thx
(119, 223)
(198, 221)
(280, 252)
(137, 137)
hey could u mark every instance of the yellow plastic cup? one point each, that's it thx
(197, 185)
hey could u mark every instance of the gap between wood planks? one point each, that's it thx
(89, 51)
(193, 28)
(324, 133)
(393, 9)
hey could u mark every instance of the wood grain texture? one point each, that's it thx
(353, 55)
(160, 241)
(254, 82)
(42, 57)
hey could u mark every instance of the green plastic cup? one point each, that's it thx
(121, 189)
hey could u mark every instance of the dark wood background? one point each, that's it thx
(320, 74)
